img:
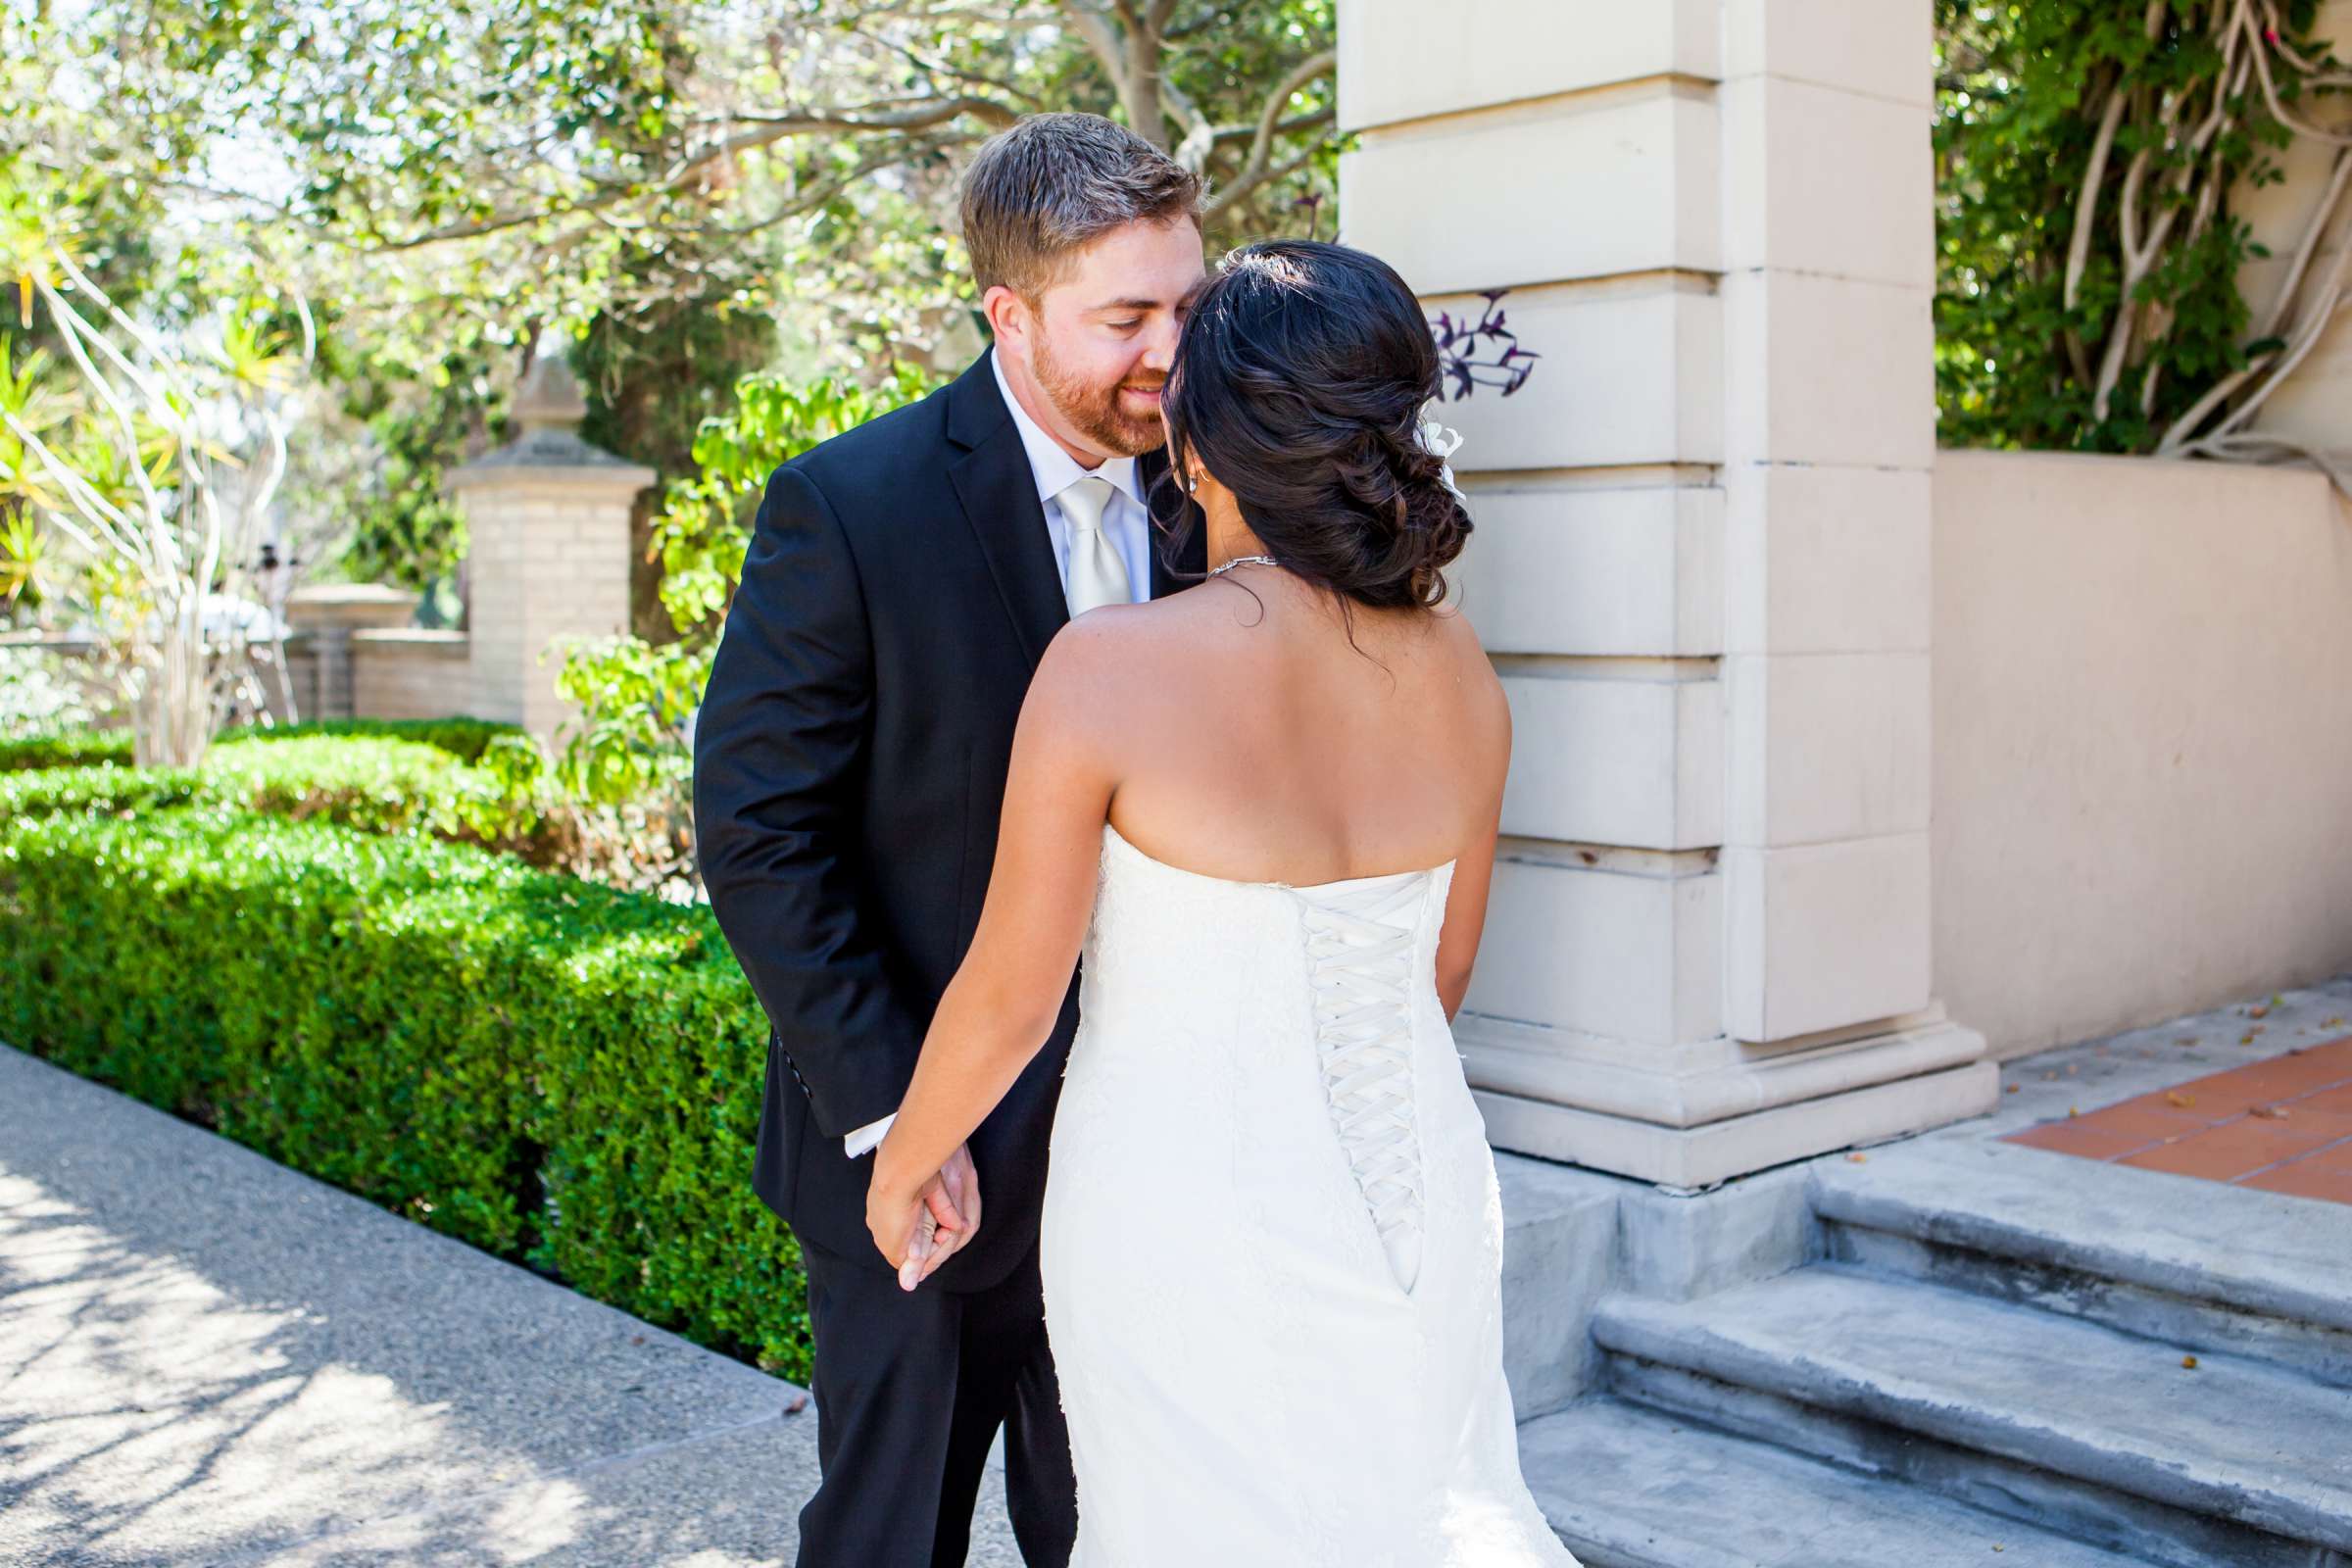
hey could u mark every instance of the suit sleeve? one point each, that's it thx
(778, 752)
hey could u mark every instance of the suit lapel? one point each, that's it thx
(999, 495)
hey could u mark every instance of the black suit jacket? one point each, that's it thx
(850, 760)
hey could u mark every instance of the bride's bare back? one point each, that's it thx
(1239, 731)
(1254, 740)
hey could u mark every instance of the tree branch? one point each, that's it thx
(959, 73)
(1254, 171)
(2269, 96)
(1231, 198)
(770, 128)
(808, 201)
(1199, 137)
(1095, 31)
(2310, 245)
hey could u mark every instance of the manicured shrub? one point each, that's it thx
(463, 738)
(72, 748)
(561, 1073)
(382, 785)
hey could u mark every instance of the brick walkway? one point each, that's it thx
(2283, 1124)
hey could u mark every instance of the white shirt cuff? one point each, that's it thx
(864, 1140)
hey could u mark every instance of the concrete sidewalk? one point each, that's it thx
(208, 1358)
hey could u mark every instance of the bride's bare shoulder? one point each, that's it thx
(1465, 650)
(1135, 638)
(1467, 673)
(1099, 660)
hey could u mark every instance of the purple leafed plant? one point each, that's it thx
(1461, 343)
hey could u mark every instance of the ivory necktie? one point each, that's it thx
(1096, 575)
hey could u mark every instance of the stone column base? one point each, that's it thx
(1870, 1105)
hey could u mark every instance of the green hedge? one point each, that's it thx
(555, 1071)
(465, 738)
(381, 785)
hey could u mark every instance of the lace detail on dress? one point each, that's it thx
(1361, 941)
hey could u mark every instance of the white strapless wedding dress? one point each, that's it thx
(1272, 1240)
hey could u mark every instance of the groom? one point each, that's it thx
(901, 582)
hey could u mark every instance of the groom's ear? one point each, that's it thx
(1010, 316)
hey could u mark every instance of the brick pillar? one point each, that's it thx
(1701, 554)
(549, 520)
(324, 616)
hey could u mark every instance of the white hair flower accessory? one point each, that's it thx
(1442, 441)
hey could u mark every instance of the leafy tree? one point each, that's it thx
(626, 764)
(417, 127)
(652, 373)
(457, 175)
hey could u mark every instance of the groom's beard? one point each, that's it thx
(1095, 411)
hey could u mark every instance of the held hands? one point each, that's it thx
(920, 1228)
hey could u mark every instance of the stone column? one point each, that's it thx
(549, 520)
(1701, 557)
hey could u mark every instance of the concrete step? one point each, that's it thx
(1628, 1487)
(2057, 1421)
(1559, 1236)
(2202, 1264)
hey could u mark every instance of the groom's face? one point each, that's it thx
(1098, 343)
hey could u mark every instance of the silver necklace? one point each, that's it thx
(1242, 560)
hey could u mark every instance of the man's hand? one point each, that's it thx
(958, 1183)
(917, 1232)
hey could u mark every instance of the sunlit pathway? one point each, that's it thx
(205, 1357)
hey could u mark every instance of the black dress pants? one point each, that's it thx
(910, 1388)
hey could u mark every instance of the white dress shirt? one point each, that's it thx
(1126, 523)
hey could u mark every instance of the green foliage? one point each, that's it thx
(2020, 92)
(377, 785)
(653, 375)
(405, 526)
(68, 748)
(703, 525)
(71, 163)
(562, 1074)
(465, 738)
(629, 743)
(692, 194)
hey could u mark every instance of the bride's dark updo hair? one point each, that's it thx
(1299, 383)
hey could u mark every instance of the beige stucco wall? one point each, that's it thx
(2142, 727)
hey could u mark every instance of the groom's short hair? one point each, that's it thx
(1054, 183)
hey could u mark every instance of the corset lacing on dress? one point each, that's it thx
(1359, 963)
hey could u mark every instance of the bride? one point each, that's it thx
(1261, 817)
